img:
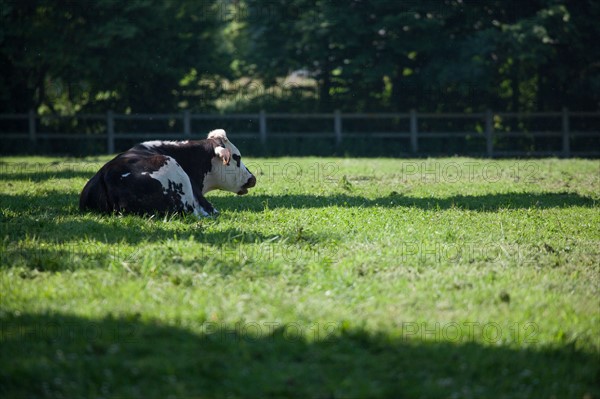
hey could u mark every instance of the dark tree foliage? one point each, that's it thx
(67, 56)
(433, 55)
(90, 55)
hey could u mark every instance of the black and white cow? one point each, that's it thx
(168, 176)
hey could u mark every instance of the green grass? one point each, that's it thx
(455, 277)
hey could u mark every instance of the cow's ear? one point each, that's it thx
(224, 154)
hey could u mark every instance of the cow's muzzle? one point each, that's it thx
(249, 184)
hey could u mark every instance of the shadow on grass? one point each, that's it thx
(51, 243)
(482, 203)
(113, 230)
(67, 356)
(42, 171)
(52, 201)
(43, 176)
(59, 202)
(52, 246)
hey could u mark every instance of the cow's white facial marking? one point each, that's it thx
(228, 171)
(176, 184)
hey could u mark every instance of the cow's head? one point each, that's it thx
(228, 171)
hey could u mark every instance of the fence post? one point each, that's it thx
(566, 139)
(414, 131)
(337, 126)
(262, 126)
(187, 123)
(489, 133)
(110, 132)
(32, 131)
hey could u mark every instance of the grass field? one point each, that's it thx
(333, 278)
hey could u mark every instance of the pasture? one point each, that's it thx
(334, 277)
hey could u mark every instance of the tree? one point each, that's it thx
(453, 55)
(67, 56)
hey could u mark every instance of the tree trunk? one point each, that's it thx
(325, 87)
(515, 86)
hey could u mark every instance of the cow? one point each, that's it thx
(168, 177)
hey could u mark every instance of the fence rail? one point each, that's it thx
(415, 130)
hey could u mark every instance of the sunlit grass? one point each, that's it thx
(335, 277)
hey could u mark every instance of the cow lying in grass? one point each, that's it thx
(168, 176)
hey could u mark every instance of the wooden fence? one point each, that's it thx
(488, 127)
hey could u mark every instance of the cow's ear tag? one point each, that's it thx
(224, 154)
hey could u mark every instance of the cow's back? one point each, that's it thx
(136, 182)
